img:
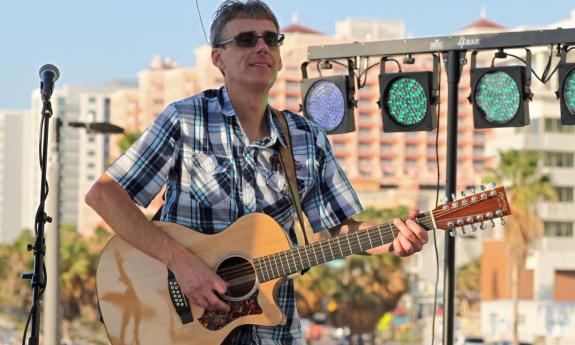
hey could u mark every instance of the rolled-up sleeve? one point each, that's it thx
(143, 169)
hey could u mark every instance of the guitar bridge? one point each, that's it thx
(179, 300)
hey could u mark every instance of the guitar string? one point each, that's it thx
(355, 241)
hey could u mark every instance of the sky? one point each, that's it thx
(92, 42)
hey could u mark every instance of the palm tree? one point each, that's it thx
(363, 288)
(521, 173)
(468, 283)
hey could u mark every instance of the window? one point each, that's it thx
(478, 165)
(564, 194)
(558, 229)
(478, 135)
(564, 286)
(553, 125)
(364, 117)
(386, 147)
(364, 148)
(558, 159)
(292, 85)
(292, 100)
(339, 146)
(364, 133)
(410, 148)
(410, 163)
(478, 150)
(364, 103)
(92, 100)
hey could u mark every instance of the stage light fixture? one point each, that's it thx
(500, 95)
(329, 101)
(408, 99)
(566, 91)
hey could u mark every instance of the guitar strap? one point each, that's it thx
(287, 161)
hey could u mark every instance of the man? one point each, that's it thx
(216, 152)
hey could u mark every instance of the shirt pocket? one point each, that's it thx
(210, 178)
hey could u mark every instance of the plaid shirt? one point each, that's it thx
(214, 175)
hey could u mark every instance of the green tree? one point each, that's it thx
(128, 139)
(521, 173)
(15, 293)
(363, 287)
(468, 285)
(78, 260)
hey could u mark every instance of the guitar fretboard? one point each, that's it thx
(299, 258)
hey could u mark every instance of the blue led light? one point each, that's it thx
(325, 104)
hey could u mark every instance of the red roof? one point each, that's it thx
(484, 23)
(295, 27)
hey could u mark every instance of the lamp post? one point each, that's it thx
(52, 331)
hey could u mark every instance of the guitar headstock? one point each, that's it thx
(477, 208)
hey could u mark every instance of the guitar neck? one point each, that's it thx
(301, 258)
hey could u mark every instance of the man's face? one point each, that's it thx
(248, 67)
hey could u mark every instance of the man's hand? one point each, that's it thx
(200, 283)
(411, 237)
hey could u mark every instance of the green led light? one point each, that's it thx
(569, 92)
(406, 101)
(497, 95)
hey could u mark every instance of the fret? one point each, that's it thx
(331, 250)
(277, 267)
(322, 253)
(261, 273)
(381, 237)
(359, 240)
(307, 255)
(369, 238)
(268, 275)
(339, 245)
(391, 228)
(293, 259)
(349, 245)
(315, 256)
(300, 260)
(285, 262)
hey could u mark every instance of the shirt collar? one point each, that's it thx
(276, 132)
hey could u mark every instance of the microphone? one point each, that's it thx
(48, 75)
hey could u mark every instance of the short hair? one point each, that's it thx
(232, 9)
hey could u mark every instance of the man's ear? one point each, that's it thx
(217, 59)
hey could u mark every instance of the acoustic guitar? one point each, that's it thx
(141, 303)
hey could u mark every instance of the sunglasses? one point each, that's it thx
(249, 39)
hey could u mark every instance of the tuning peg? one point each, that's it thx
(472, 189)
(473, 228)
(463, 193)
(502, 221)
(492, 223)
(482, 226)
(453, 196)
(481, 188)
(443, 199)
(463, 232)
(491, 185)
(452, 233)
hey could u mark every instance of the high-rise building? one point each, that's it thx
(11, 171)
(83, 155)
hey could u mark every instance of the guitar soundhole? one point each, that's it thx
(239, 273)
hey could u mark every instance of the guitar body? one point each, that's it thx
(134, 290)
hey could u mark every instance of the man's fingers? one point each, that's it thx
(416, 229)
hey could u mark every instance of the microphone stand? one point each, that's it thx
(38, 277)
